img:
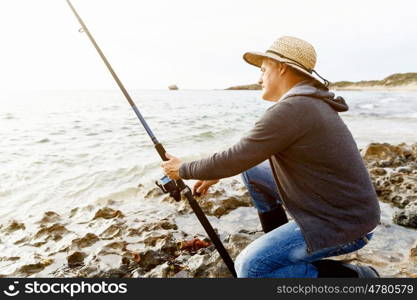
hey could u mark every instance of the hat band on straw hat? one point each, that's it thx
(293, 62)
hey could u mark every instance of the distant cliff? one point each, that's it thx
(246, 87)
(398, 81)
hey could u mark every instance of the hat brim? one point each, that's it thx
(256, 59)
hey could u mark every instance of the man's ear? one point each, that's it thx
(283, 68)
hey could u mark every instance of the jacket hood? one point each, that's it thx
(311, 89)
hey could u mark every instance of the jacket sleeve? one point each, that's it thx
(275, 131)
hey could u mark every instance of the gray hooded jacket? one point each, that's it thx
(320, 175)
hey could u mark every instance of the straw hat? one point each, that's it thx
(293, 51)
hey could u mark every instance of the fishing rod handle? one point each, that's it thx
(161, 151)
(209, 230)
(186, 191)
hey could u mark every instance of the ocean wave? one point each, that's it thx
(367, 106)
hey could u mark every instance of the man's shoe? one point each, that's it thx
(363, 271)
(328, 268)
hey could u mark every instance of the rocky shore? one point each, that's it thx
(158, 237)
(254, 86)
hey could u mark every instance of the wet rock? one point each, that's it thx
(413, 252)
(400, 201)
(88, 271)
(38, 244)
(110, 263)
(207, 266)
(49, 217)
(182, 274)
(378, 171)
(30, 269)
(117, 247)
(105, 266)
(14, 226)
(113, 273)
(12, 258)
(154, 193)
(216, 203)
(405, 170)
(215, 267)
(160, 271)
(182, 258)
(76, 259)
(86, 241)
(386, 155)
(395, 178)
(379, 151)
(108, 213)
(137, 273)
(221, 199)
(53, 232)
(198, 265)
(210, 264)
(152, 226)
(219, 206)
(151, 258)
(160, 242)
(408, 216)
(114, 230)
(166, 225)
(73, 212)
(237, 242)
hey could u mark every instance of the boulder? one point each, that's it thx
(408, 216)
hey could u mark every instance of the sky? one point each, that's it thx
(197, 44)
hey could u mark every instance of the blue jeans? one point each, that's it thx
(282, 252)
(261, 186)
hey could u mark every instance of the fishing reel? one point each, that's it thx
(167, 185)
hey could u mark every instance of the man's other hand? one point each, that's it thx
(201, 187)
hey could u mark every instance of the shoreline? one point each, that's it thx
(157, 237)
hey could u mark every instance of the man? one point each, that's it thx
(302, 155)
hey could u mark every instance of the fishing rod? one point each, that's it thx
(175, 188)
